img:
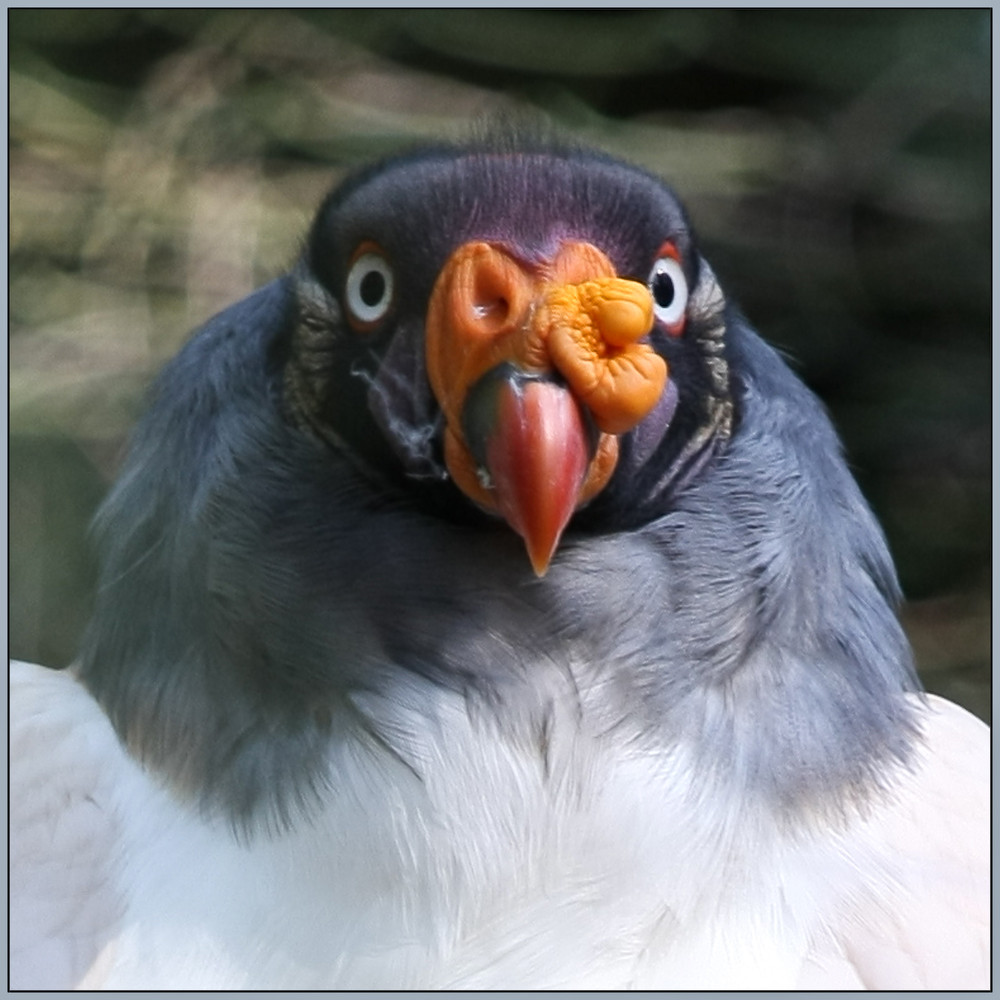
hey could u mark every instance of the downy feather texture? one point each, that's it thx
(583, 865)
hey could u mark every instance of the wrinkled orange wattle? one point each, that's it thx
(571, 316)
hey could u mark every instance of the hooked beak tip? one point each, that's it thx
(537, 450)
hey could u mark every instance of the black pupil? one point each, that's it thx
(372, 288)
(663, 289)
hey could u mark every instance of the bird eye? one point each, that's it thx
(368, 289)
(669, 289)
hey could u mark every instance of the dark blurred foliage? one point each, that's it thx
(835, 162)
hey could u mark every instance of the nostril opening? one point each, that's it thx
(490, 300)
(495, 310)
(487, 292)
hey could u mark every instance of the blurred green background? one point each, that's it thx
(836, 165)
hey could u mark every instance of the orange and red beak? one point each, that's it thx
(537, 369)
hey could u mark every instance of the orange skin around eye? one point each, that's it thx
(570, 317)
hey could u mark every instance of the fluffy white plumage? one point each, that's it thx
(608, 871)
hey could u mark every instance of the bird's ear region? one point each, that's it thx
(537, 368)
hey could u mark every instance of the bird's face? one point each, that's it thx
(513, 322)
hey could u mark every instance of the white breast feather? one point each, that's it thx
(594, 865)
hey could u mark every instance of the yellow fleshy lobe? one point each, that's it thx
(593, 330)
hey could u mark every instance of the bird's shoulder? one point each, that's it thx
(923, 921)
(64, 833)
